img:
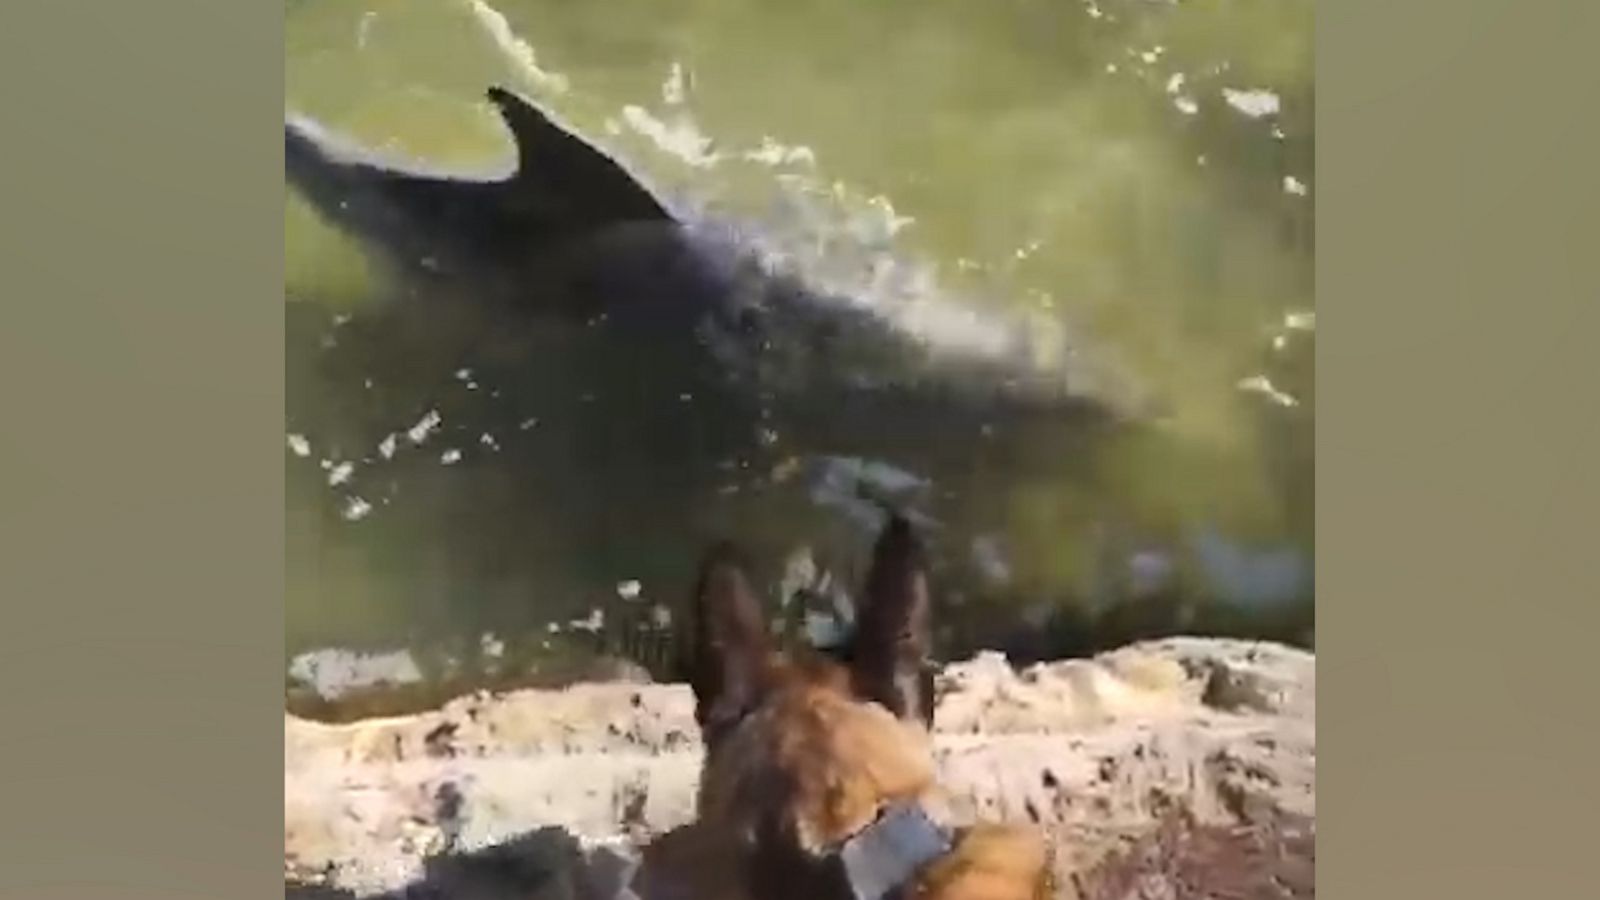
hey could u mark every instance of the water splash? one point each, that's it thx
(519, 51)
(681, 139)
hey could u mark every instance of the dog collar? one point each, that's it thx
(878, 861)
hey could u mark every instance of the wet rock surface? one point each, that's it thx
(1181, 768)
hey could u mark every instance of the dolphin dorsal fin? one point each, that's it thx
(553, 160)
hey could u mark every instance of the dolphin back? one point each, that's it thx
(562, 188)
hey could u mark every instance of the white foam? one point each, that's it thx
(364, 29)
(518, 50)
(681, 139)
(774, 153)
(595, 621)
(672, 90)
(1260, 384)
(356, 509)
(491, 646)
(425, 426)
(1254, 103)
(333, 672)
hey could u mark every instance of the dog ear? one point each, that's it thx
(728, 645)
(889, 652)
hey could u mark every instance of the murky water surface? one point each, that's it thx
(1134, 177)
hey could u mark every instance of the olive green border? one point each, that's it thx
(142, 477)
(1457, 442)
(141, 494)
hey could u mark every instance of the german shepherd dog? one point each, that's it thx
(819, 777)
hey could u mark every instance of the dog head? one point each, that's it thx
(819, 779)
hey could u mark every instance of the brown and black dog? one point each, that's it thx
(819, 777)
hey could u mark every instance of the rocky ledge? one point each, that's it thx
(1183, 767)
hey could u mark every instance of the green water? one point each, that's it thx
(1140, 170)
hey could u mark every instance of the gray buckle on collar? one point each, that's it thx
(886, 854)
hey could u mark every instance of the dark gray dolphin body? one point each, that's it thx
(571, 233)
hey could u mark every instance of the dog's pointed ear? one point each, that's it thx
(728, 646)
(892, 643)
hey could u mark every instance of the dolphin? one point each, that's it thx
(663, 374)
